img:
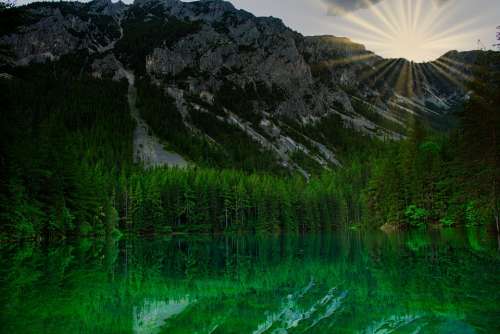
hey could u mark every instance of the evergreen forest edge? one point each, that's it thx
(66, 167)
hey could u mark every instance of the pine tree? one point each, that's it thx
(481, 135)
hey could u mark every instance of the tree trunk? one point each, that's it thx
(497, 220)
(226, 217)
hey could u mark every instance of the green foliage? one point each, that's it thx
(455, 178)
(66, 165)
(160, 111)
(447, 222)
(369, 113)
(59, 149)
(418, 181)
(335, 133)
(66, 154)
(306, 162)
(447, 179)
(232, 148)
(416, 216)
(418, 241)
(473, 216)
(210, 200)
(237, 149)
(430, 147)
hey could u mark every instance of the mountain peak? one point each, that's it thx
(206, 10)
(106, 7)
(256, 65)
(165, 3)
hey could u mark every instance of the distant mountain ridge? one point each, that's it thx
(253, 73)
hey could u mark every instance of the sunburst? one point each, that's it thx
(418, 30)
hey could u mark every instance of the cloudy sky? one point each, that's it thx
(419, 30)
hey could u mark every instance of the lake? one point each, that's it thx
(445, 281)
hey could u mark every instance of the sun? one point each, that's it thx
(417, 30)
(411, 45)
(407, 29)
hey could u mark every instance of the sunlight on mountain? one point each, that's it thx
(417, 30)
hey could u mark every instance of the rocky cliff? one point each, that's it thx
(253, 73)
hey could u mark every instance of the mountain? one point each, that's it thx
(227, 76)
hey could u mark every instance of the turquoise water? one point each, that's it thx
(338, 282)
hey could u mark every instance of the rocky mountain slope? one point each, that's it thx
(288, 93)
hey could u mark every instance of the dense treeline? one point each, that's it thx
(215, 201)
(66, 168)
(59, 149)
(447, 179)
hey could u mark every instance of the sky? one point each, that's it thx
(419, 30)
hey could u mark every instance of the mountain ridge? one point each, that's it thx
(272, 84)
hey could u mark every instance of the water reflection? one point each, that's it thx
(441, 282)
(150, 317)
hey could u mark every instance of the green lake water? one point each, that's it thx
(444, 281)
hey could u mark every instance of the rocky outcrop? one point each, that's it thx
(53, 30)
(246, 65)
(148, 149)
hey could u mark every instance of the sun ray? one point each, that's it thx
(381, 16)
(418, 78)
(465, 25)
(378, 73)
(353, 18)
(408, 15)
(429, 72)
(364, 36)
(405, 33)
(417, 30)
(395, 73)
(453, 70)
(457, 64)
(389, 13)
(411, 81)
(436, 18)
(416, 16)
(447, 75)
(376, 68)
(351, 59)
(404, 79)
(401, 79)
(421, 75)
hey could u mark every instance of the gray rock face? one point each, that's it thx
(62, 28)
(231, 45)
(50, 37)
(107, 8)
(235, 46)
(279, 73)
(108, 67)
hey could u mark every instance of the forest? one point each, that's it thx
(66, 170)
(66, 167)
